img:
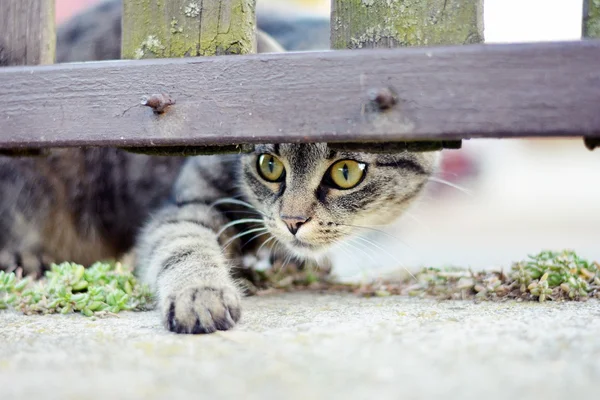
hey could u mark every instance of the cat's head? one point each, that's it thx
(312, 197)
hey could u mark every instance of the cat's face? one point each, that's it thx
(312, 197)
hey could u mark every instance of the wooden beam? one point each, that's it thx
(178, 28)
(27, 32)
(451, 93)
(383, 23)
(591, 29)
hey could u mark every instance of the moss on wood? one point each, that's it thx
(184, 28)
(397, 23)
(591, 19)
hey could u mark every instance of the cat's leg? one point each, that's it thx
(181, 257)
(24, 202)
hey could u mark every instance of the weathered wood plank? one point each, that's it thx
(27, 32)
(383, 23)
(591, 18)
(544, 89)
(591, 29)
(178, 28)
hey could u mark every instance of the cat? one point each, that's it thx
(187, 220)
(304, 197)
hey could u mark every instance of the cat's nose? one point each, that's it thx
(294, 223)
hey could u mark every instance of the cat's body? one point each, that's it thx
(188, 219)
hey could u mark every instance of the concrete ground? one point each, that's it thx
(313, 346)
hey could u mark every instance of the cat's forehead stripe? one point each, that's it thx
(403, 163)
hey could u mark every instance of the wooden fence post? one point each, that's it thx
(385, 23)
(591, 29)
(591, 18)
(27, 32)
(182, 28)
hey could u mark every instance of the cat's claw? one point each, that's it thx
(202, 309)
(33, 264)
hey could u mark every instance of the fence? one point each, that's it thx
(374, 99)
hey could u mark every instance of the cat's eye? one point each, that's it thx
(270, 168)
(346, 174)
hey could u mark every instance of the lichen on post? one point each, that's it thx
(398, 23)
(591, 18)
(184, 28)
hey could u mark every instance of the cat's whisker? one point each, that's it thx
(371, 228)
(229, 200)
(264, 243)
(254, 237)
(285, 262)
(273, 249)
(355, 246)
(244, 233)
(388, 253)
(351, 240)
(450, 184)
(237, 222)
(417, 220)
(249, 212)
(454, 174)
(344, 249)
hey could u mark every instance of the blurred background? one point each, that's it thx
(515, 197)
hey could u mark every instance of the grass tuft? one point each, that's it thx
(544, 276)
(69, 288)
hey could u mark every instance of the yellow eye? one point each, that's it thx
(346, 174)
(270, 168)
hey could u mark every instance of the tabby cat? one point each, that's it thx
(187, 220)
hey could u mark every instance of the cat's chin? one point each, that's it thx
(306, 251)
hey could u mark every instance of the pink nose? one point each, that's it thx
(294, 223)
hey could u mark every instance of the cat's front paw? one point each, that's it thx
(202, 309)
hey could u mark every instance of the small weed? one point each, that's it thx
(545, 276)
(103, 288)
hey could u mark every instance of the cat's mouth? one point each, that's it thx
(304, 249)
(299, 243)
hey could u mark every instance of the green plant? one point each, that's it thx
(10, 288)
(544, 276)
(69, 287)
(558, 275)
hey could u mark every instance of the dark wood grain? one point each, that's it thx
(27, 32)
(550, 89)
(591, 29)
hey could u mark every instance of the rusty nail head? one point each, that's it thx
(384, 98)
(158, 102)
